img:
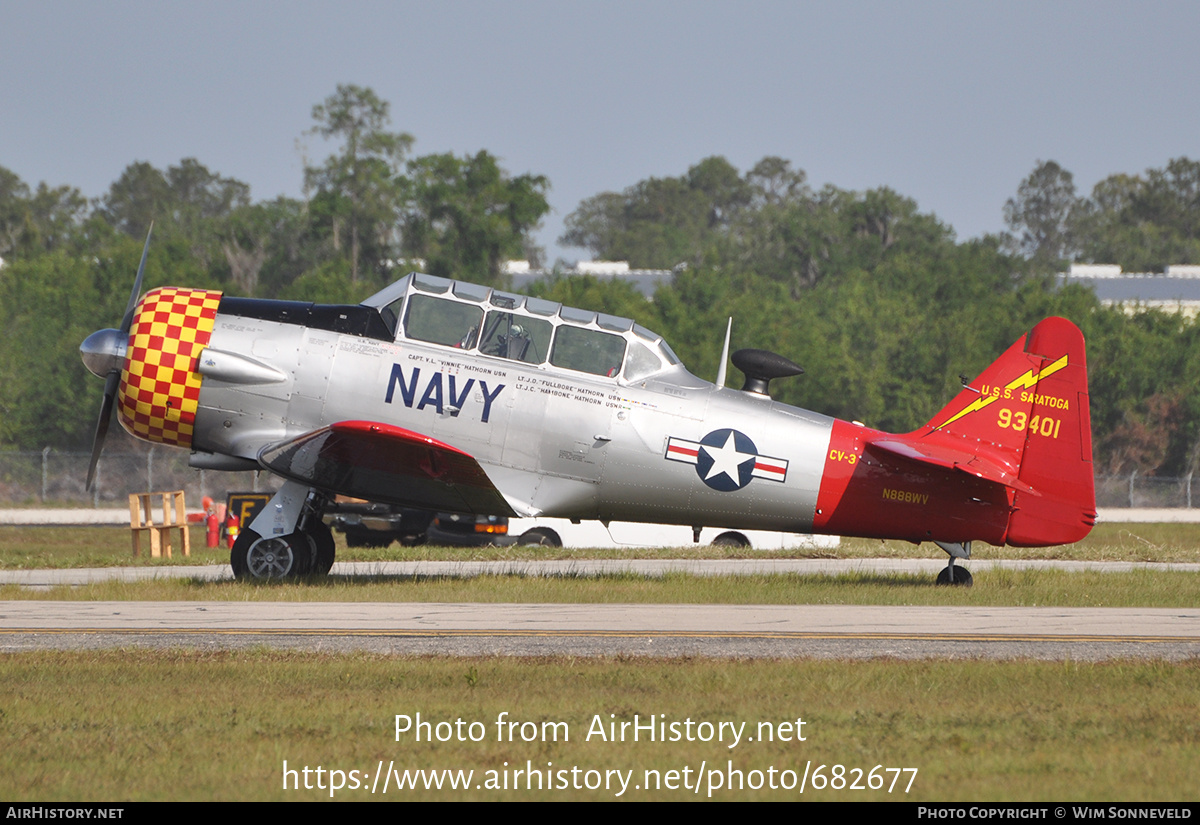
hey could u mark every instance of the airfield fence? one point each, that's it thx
(53, 478)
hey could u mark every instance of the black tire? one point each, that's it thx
(731, 539)
(325, 550)
(237, 553)
(962, 577)
(541, 536)
(254, 558)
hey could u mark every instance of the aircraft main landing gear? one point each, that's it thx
(308, 548)
(282, 557)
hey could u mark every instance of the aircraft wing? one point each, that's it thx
(379, 462)
(951, 458)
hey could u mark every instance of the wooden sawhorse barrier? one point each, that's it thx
(141, 520)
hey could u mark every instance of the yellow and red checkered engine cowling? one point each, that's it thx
(160, 387)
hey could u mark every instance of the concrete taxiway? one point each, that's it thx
(770, 631)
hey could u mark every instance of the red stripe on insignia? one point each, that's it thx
(770, 468)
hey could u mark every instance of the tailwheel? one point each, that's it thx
(957, 576)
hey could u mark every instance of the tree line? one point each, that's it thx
(879, 301)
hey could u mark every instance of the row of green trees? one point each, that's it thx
(367, 205)
(887, 309)
(1142, 222)
(880, 301)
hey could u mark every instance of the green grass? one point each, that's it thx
(183, 725)
(190, 724)
(1013, 588)
(64, 547)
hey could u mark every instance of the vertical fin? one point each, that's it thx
(1029, 412)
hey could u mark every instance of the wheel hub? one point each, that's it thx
(271, 558)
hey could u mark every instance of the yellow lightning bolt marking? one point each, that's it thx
(1029, 379)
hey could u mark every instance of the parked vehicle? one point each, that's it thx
(558, 532)
(371, 524)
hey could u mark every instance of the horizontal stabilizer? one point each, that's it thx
(379, 462)
(949, 458)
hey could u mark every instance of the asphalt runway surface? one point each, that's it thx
(743, 631)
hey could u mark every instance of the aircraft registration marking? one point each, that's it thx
(905, 496)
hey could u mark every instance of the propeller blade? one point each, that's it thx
(110, 394)
(127, 320)
(113, 379)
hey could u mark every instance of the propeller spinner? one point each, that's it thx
(103, 354)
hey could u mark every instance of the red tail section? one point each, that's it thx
(1025, 423)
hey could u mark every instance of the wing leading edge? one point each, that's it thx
(366, 459)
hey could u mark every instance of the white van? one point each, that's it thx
(561, 532)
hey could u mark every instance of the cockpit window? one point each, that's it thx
(588, 350)
(520, 328)
(641, 362)
(540, 306)
(441, 321)
(672, 359)
(614, 323)
(391, 314)
(577, 316)
(472, 292)
(516, 337)
(432, 283)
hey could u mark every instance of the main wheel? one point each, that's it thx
(237, 553)
(543, 536)
(272, 558)
(955, 575)
(325, 549)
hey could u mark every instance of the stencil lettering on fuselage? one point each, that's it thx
(444, 393)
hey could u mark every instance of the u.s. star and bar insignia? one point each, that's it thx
(726, 459)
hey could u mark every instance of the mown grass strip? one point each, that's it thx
(190, 724)
(65, 547)
(1009, 588)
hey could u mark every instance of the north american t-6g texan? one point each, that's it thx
(452, 396)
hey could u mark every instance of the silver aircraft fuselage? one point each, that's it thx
(557, 434)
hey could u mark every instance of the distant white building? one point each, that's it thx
(1176, 290)
(645, 281)
(602, 267)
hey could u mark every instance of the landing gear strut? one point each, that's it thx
(958, 576)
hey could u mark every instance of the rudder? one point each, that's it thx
(1058, 456)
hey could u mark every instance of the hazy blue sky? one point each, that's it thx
(949, 103)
